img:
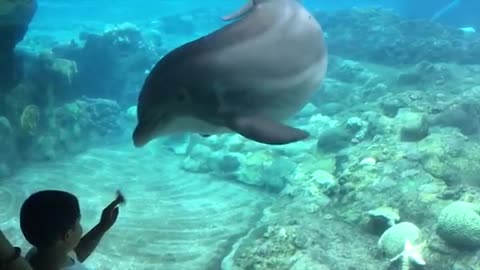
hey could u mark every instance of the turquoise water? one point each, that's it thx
(387, 179)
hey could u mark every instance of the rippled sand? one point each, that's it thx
(172, 219)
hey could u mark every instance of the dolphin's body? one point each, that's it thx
(246, 77)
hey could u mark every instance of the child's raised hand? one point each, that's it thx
(110, 213)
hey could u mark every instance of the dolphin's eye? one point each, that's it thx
(182, 96)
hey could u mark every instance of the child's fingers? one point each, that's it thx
(115, 213)
(112, 205)
(119, 200)
(120, 197)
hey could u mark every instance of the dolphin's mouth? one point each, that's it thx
(147, 129)
(162, 118)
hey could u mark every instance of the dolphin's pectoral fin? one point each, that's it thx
(267, 131)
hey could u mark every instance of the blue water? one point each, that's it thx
(462, 12)
(92, 16)
(394, 128)
(88, 9)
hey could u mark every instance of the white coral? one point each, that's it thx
(411, 254)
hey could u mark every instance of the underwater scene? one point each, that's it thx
(240, 134)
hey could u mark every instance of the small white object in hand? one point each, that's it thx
(411, 253)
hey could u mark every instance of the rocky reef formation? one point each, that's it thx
(15, 16)
(122, 50)
(392, 164)
(379, 36)
(67, 100)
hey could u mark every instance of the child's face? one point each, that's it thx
(73, 236)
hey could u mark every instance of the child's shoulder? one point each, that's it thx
(77, 265)
(30, 253)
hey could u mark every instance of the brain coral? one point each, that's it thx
(29, 119)
(459, 225)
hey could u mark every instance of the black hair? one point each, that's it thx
(46, 216)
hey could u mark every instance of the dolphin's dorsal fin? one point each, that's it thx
(237, 14)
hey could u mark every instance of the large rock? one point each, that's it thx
(8, 151)
(15, 16)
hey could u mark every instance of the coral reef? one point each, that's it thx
(54, 76)
(459, 225)
(29, 119)
(379, 36)
(75, 126)
(123, 50)
(67, 100)
(399, 139)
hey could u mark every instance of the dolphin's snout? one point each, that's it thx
(147, 128)
(139, 137)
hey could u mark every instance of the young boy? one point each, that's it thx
(50, 221)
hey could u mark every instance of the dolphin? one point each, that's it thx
(245, 78)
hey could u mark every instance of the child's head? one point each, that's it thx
(50, 219)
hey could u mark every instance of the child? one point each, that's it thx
(50, 221)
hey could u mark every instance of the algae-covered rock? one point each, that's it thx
(8, 153)
(29, 120)
(44, 148)
(457, 117)
(390, 106)
(265, 247)
(55, 75)
(350, 72)
(17, 100)
(196, 160)
(307, 263)
(324, 180)
(358, 127)
(451, 157)
(71, 128)
(122, 49)
(263, 170)
(6, 130)
(333, 139)
(414, 126)
(459, 225)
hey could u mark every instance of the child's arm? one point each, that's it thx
(90, 240)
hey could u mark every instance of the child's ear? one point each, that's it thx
(67, 235)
